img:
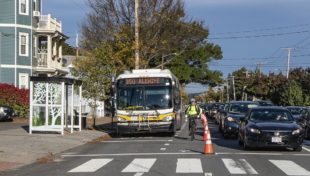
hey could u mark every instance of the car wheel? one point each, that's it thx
(225, 135)
(240, 142)
(306, 133)
(297, 149)
(245, 146)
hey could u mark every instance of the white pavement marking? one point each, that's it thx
(305, 148)
(247, 166)
(167, 144)
(267, 154)
(163, 149)
(131, 154)
(290, 167)
(124, 141)
(91, 165)
(189, 165)
(233, 167)
(208, 174)
(139, 174)
(170, 140)
(139, 165)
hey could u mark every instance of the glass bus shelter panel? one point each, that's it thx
(54, 104)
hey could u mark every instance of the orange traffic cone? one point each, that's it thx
(204, 119)
(208, 149)
(205, 133)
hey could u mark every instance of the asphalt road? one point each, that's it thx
(161, 155)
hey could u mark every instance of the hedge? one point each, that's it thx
(16, 98)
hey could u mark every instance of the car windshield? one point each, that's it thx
(241, 108)
(295, 110)
(265, 103)
(271, 115)
(144, 98)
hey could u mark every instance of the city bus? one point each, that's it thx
(148, 100)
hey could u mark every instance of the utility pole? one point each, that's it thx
(234, 90)
(227, 91)
(137, 59)
(288, 61)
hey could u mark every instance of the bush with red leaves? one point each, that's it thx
(16, 98)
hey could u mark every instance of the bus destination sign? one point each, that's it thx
(142, 81)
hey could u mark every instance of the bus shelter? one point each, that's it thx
(55, 104)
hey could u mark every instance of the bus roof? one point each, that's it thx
(146, 73)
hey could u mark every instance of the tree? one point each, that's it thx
(164, 29)
(68, 49)
(95, 71)
(291, 94)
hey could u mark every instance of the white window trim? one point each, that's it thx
(20, 7)
(27, 44)
(20, 75)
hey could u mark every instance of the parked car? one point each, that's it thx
(229, 124)
(6, 113)
(298, 113)
(270, 127)
(304, 121)
(213, 109)
(264, 103)
(220, 113)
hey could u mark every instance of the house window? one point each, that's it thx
(23, 80)
(23, 7)
(23, 44)
(34, 5)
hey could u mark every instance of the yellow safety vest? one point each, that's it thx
(192, 110)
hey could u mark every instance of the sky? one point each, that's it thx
(251, 33)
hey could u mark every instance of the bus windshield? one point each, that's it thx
(144, 98)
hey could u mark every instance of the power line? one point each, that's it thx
(263, 29)
(258, 36)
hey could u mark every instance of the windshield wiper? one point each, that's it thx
(133, 107)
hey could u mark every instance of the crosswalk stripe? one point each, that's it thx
(189, 165)
(140, 165)
(290, 167)
(247, 166)
(233, 167)
(91, 165)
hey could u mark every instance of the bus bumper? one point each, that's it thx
(135, 127)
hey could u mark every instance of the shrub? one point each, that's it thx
(16, 98)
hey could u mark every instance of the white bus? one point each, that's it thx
(148, 100)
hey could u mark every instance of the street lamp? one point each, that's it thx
(162, 58)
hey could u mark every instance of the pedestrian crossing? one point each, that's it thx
(191, 166)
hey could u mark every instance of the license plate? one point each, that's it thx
(134, 118)
(276, 139)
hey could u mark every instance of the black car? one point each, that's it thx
(213, 109)
(264, 103)
(6, 113)
(304, 121)
(298, 113)
(270, 127)
(229, 124)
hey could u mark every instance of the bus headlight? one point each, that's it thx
(168, 119)
(121, 119)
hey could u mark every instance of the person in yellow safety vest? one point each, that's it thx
(193, 111)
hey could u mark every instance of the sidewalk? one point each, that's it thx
(18, 147)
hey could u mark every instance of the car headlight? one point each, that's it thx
(168, 119)
(121, 119)
(254, 130)
(295, 132)
(230, 119)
